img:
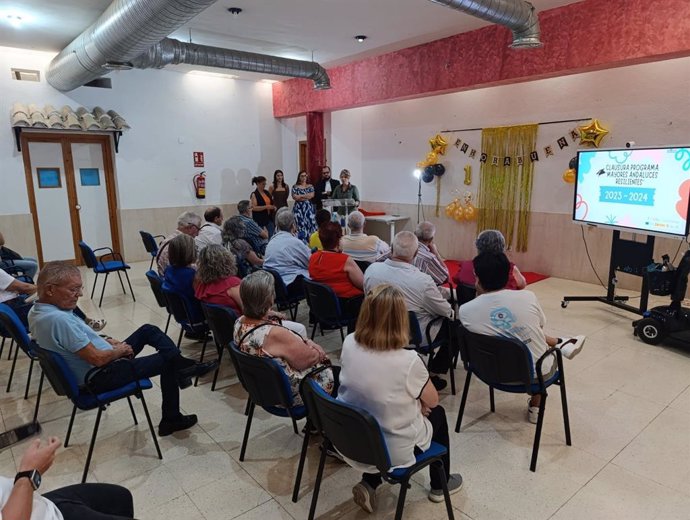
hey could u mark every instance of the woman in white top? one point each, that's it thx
(392, 384)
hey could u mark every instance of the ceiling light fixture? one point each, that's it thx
(360, 38)
(14, 20)
(234, 11)
(271, 81)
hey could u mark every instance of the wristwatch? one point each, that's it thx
(33, 475)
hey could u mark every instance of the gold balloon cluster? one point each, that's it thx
(438, 147)
(462, 211)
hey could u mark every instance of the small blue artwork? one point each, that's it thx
(90, 176)
(48, 177)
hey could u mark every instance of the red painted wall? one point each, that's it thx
(589, 35)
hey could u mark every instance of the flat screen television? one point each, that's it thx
(638, 189)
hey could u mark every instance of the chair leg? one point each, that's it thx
(28, 379)
(564, 405)
(342, 336)
(294, 425)
(452, 378)
(246, 408)
(401, 499)
(105, 281)
(9, 353)
(151, 264)
(167, 324)
(2, 345)
(246, 431)
(302, 458)
(215, 375)
(463, 401)
(313, 331)
(93, 443)
(179, 338)
(130, 287)
(446, 494)
(153, 432)
(121, 283)
(131, 409)
(69, 428)
(317, 484)
(93, 289)
(537, 433)
(492, 402)
(201, 358)
(14, 364)
(38, 398)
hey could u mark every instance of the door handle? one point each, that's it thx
(77, 207)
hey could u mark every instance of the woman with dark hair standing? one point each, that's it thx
(262, 205)
(279, 190)
(303, 193)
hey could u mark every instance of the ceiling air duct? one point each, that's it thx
(174, 52)
(519, 16)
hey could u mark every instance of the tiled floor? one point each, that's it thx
(629, 411)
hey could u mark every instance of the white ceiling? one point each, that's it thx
(287, 28)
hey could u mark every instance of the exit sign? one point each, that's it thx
(198, 159)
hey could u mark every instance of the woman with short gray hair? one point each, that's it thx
(489, 241)
(260, 332)
(216, 278)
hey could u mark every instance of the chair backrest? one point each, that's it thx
(88, 255)
(322, 301)
(221, 321)
(466, 293)
(149, 243)
(58, 372)
(263, 378)
(363, 264)
(416, 337)
(353, 431)
(279, 284)
(156, 283)
(497, 360)
(183, 309)
(10, 322)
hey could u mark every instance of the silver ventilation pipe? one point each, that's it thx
(174, 52)
(126, 29)
(519, 16)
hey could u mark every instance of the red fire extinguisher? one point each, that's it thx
(199, 181)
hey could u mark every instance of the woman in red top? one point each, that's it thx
(216, 278)
(334, 268)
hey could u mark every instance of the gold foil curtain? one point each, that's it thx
(505, 191)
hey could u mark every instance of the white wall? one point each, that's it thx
(171, 115)
(645, 103)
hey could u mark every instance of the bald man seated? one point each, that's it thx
(56, 328)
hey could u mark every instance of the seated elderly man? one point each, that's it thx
(210, 232)
(286, 253)
(516, 314)
(360, 246)
(188, 223)
(421, 296)
(56, 328)
(255, 235)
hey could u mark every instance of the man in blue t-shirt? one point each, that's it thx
(56, 328)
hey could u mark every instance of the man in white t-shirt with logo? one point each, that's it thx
(497, 311)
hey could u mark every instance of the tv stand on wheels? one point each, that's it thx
(629, 257)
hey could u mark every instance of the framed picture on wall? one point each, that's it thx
(49, 177)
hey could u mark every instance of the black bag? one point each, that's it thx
(7, 254)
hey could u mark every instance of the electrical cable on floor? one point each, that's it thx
(590, 258)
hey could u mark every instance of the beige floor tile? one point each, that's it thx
(270, 509)
(181, 507)
(229, 496)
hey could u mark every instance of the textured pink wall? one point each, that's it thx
(589, 35)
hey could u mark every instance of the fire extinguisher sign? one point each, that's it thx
(198, 159)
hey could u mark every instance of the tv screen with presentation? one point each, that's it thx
(638, 189)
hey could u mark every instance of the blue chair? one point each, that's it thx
(506, 364)
(151, 245)
(63, 382)
(268, 386)
(99, 266)
(221, 321)
(427, 348)
(325, 307)
(285, 298)
(188, 314)
(10, 323)
(356, 435)
(156, 283)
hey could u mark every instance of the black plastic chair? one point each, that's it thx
(156, 283)
(17, 331)
(287, 299)
(466, 293)
(64, 383)
(99, 266)
(268, 386)
(151, 245)
(325, 307)
(221, 321)
(356, 435)
(363, 265)
(427, 348)
(506, 364)
(184, 310)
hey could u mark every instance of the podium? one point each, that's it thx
(333, 204)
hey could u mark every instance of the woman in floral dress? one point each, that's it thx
(302, 193)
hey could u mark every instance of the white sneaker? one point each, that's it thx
(532, 413)
(364, 496)
(454, 485)
(96, 325)
(572, 347)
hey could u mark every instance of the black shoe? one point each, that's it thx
(438, 383)
(166, 427)
(196, 370)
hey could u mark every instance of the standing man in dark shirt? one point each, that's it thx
(325, 187)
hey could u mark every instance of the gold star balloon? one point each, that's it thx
(592, 133)
(438, 144)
